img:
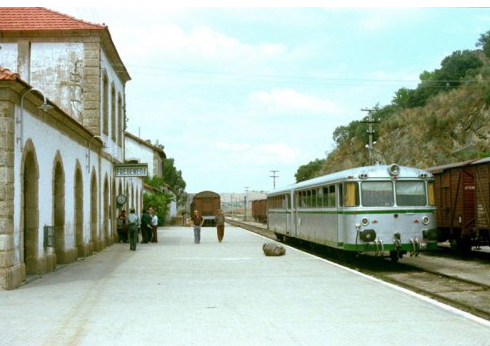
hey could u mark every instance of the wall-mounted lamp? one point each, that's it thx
(45, 106)
(88, 150)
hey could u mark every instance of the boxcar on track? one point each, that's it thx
(208, 203)
(462, 193)
(259, 210)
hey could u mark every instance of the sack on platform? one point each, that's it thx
(271, 249)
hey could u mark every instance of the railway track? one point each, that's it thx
(463, 294)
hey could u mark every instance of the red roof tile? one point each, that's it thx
(41, 19)
(6, 74)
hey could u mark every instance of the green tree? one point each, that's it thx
(160, 202)
(174, 179)
(309, 171)
(454, 69)
(456, 66)
(401, 98)
(484, 42)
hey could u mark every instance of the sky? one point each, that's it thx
(235, 93)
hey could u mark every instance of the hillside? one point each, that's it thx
(445, 119)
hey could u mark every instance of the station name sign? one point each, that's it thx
(131, 170)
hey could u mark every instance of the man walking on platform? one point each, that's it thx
(197, 221)
(220, 225)
(132, 229)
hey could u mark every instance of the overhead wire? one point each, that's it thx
(240, 77)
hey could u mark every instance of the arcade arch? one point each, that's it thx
(29, 215)
(93, 213)
(78, 212)
(58, 185)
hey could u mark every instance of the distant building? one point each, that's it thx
(138, 150)
(57, 184)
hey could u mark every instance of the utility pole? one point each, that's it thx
(245, 204)
(274, 176)
(370, 131)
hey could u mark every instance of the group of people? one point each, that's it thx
(197, 221)
(129, 226)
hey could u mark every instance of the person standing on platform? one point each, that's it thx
(220, 225)
(133, 222)
(197, 222)
(146, 229)
(154, 224)
(122, 229)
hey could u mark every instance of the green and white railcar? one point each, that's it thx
(381, 210)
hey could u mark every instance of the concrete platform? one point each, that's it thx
(180, 293)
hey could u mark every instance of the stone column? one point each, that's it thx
(11, 275)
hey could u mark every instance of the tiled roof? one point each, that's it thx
(6, 74)
(40, 19)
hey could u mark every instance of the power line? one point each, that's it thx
(218, 76)
(251, 77)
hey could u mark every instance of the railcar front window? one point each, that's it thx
(351, 195)
(377, 194)
(410, 193)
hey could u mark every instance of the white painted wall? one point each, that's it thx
(57, 69)
(112, 146)
(47, 142)
(8, 56)
(137, 151)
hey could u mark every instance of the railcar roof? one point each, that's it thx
(438, 169)
(380, 171)
(485, 160)
(205, 194)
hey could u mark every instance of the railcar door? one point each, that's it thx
(292, 206)
(207, 207)
(348, 209)
(482, 198)
(468, 178)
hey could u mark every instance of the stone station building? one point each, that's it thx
(57, 184)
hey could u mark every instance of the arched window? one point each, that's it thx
(120, 122)
(113, 113)
(105, 106)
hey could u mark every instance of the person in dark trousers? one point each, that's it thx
(133, 222)
(122, 229)
(154, 224)
(220, 225)
(146, 229)
(197, 221)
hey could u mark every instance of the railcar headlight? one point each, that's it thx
(364, 221)
(394, 170)
(425, 220)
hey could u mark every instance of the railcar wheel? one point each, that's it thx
(280, 237)
(394, 256)
(465, 245)
(454, 244)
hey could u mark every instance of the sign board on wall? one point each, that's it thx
(131, 170)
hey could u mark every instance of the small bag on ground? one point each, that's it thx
(271, 249)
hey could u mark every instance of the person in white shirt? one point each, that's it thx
(154, 224)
